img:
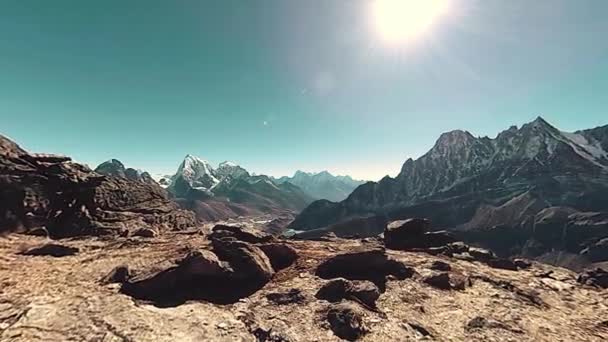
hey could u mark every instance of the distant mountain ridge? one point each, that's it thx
(561, 168)
(116, 168)
(322, 185)
(230, 190)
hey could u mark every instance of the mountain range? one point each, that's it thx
(231, 191)
(322, 185)
(466, 184)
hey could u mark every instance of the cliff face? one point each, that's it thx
(68, 199)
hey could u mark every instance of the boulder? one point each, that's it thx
(51, 249)
(400, 233)
(346, 321)
(281, 255)
(204, 263)
(119, 274)
(504, 264)
(446, 281)
(145, 232)
(481, 254)
(373, 265)
(596, 277)
(240, 233)
(292, 296)
(364, 291)
(236, 270)
(440, 266)
(247, 260)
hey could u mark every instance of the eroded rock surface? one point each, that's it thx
(59, 299)
(69, 199)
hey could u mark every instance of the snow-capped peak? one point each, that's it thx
(198, 172)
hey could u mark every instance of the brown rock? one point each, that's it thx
(51, 249)
(373, 265)
(292, 296)
(597, 277)
(240, 233)
(145, 232)
(364, 291)
(119, 274)
(346, 321)
(281, 255)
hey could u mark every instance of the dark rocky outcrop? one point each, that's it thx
(346, 321)
(234, 270)
(362, 291)
(119, 274)
(413, 234)
(71, 200)
(51, 249)
(446, 281)
(241, 233)
(281, 255)
(596, 277)
(293, 296)
(373, 265)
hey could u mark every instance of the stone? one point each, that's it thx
(373, 265)
(119, 274)
(364, 291)
(247, 260)
(281, 255)
(293, 296)
(481, 254)
(440, 266)
(596, 277)
(204, 263)
(240, 233)
(145, 232)
(438, 280)
(504, 264)
(346, 321)
(399, 234)
(522, 264)
(51, 249)
(447, 281)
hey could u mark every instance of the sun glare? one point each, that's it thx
(401, 21)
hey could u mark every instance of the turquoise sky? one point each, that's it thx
(283, 85)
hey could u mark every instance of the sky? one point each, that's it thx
(282, 85)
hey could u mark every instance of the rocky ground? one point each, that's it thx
(429, 297)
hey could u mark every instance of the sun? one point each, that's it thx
(398, 22)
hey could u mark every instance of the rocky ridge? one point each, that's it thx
(52, 194)
(139, 289)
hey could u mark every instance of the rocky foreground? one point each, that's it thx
(233, 284)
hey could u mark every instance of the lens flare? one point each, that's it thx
(401, 21)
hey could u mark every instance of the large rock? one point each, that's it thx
(281, 255)
(236, 270)
(248, 261)
(69, 199)
(241, 233)
(373, 265)
(363, 291)
(346, 321)
(596, 277)
(52, 249)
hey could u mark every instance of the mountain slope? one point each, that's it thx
(461, 172)
(323, 185)
(115, 168)
(231, 191)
